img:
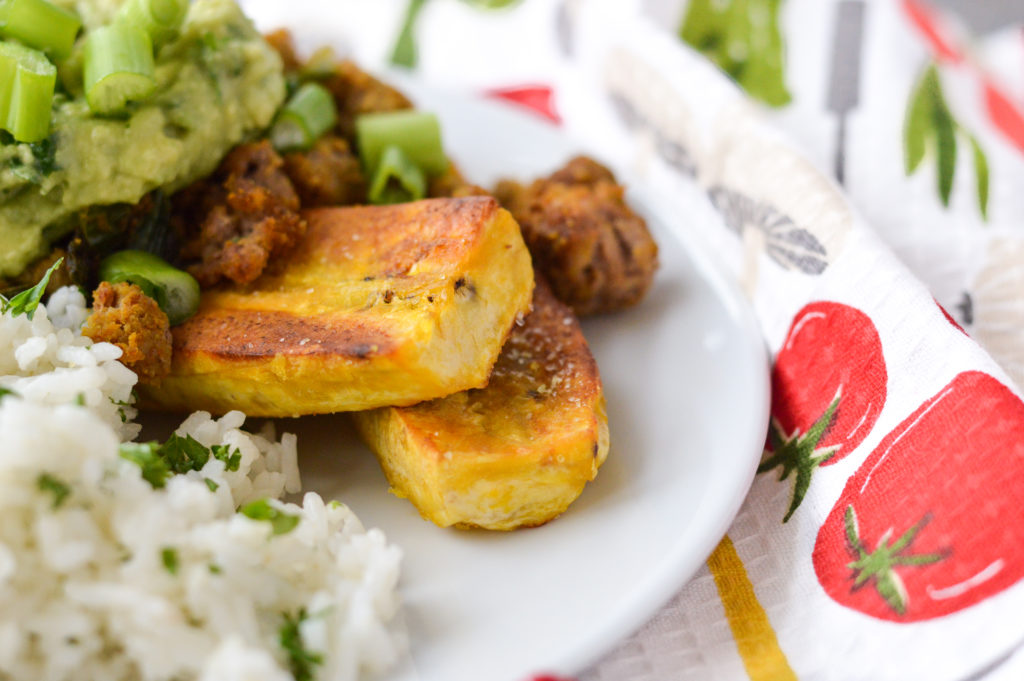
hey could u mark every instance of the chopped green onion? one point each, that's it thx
(27, 79)
(176, 292)
(308, 114)
(397, 179)
(118, 67)
(321, 64)
(40, 24)
(416, 133)
(161, 19)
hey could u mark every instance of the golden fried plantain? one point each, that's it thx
(513, 454)
(376, 305)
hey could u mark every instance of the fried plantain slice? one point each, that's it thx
(513, 454)
(376, 305)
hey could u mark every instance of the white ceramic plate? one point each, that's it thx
(686, 380)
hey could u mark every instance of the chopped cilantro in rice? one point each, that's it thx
(166, 560)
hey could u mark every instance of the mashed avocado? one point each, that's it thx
(218, 83)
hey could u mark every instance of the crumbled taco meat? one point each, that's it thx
(239, 218)
(453, 185)
(356, 92)
(125, 316)
(34, 272)
(329, 174)
(594, 250)
(281, 41)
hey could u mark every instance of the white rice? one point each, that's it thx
(126, 581)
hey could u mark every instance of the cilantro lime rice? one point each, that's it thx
(174, 560)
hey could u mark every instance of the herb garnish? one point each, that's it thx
(27, 301)
(231, 458)
(211, 484)
(146, 455)
(56, 487)
(280, 521)
(178, 455)
(44, 158)
(300, 660)
(169, 556)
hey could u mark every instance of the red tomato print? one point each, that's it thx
(539, 98)
(931, 522)
(828, 387)
(928, 23)
(1005, 114)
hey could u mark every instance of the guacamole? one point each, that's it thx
(219, 83)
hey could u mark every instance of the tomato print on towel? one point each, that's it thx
(828, 388)
(930, 523)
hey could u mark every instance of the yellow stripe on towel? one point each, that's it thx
(755, 639)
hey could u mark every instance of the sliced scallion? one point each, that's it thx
(321, 64)
(397, 179)
(40, 24)
(176, 292)
(308, 114)
(118, 67)
(161, 19)
(27, 79)
(416, 133)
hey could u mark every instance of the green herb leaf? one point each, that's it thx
(945, 145)
(169, 556)
(4, 392)
(280, 521)
(980, 176)
(743, 38)
(178, 455)
(300, 660)
(211, 484)
(184, 454)
(214, 569)
(232, 458)
(146, 455)
(26, 302)
(56, 487)
(929, 116)
(45, 154)
(918, 124)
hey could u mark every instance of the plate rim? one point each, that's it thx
(666, 583)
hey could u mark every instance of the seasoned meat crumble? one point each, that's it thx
(125, 316)
(240, 217)
(594, 250)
